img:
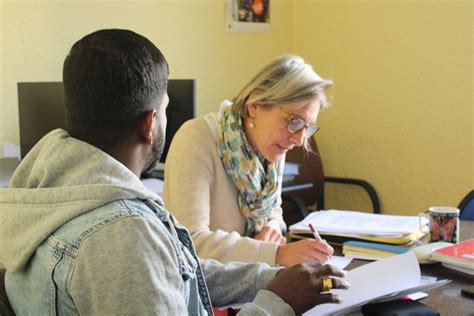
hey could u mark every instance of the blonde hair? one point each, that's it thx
(287, 79)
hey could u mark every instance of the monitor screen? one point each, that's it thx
(41, 109)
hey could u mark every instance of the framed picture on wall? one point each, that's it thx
(248, 15)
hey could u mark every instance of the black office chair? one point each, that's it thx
(295, 202)
(467, 207)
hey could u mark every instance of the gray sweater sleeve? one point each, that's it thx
(128, 268)
(237, 282)
(266, 304)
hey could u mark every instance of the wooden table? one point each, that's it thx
(447, 299)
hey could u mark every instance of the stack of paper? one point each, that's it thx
(392, 229)
(458, 256)
(382, 280)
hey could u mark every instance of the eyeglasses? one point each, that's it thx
(296, 124)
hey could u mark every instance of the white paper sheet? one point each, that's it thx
(349, 222)
(339, 261)
(369, 282)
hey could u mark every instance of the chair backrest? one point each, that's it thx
(467, 207)
(310, 171)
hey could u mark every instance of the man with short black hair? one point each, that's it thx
(79, 232)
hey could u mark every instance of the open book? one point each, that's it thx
(338, 226)
(381, 280)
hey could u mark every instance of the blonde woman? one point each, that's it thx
(223, 171)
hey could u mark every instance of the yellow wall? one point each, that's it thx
(36, 36)
(403, 110)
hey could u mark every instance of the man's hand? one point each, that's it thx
(301, 285)
(269, 233)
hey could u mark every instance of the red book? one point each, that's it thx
(461, 254)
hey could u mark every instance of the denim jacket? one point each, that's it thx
(58, 256)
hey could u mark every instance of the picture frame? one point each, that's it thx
(248, 16)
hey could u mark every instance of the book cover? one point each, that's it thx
(361, 245)
(367, 256)
(461, 254)
(371, 250)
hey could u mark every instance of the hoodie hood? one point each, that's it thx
(60, 178)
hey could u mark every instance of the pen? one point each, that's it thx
(315, 232)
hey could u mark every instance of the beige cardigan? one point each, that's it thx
(203, 198)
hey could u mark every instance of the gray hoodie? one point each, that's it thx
(57, 181)
(62, 178)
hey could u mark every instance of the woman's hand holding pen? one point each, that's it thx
(305, 250)
(298, 252)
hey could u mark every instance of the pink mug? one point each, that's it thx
(443, 223)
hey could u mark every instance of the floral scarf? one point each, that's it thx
(257, 179)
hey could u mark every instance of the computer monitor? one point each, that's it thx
(182, 107)
(41, 109)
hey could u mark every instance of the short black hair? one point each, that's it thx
(111, 79)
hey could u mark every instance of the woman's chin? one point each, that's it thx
(272, 157)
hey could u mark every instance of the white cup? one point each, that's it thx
(443, 223)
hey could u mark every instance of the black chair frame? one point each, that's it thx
(369, 189)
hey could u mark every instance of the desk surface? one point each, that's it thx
(447, 299)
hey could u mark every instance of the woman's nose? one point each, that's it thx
(297, 138)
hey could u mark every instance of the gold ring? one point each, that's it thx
(327, 284)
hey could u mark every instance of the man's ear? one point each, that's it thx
(146, 126)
